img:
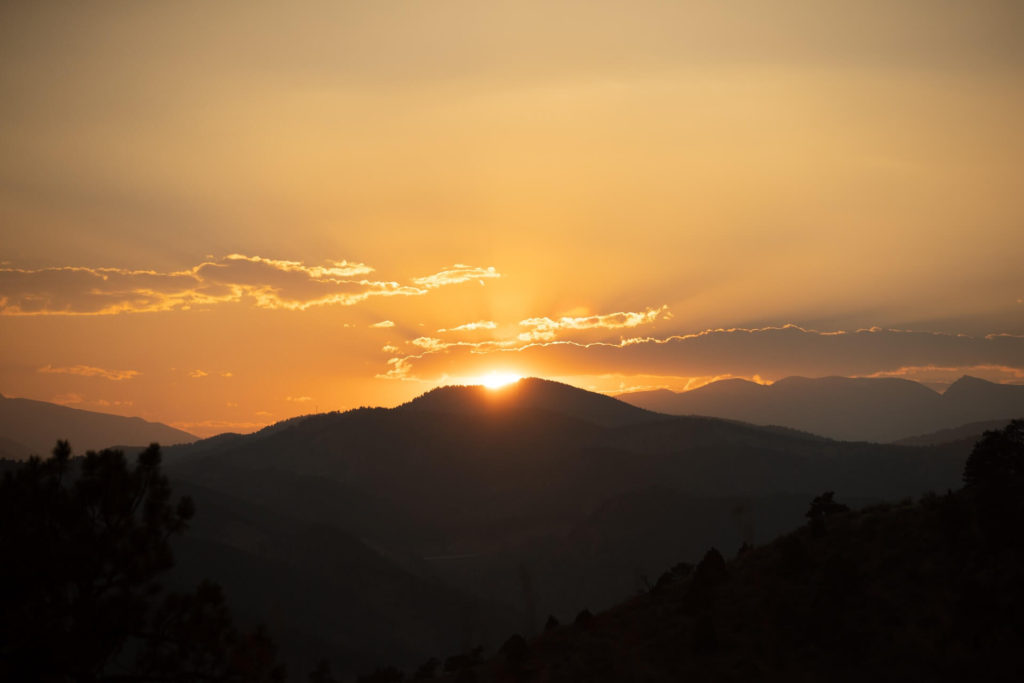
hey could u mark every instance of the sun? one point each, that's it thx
(496, 380)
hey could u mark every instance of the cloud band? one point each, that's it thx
(265, 283)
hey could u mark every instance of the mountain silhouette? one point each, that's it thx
(531, 394)
(977, 399)
(323, 592)
(966, 434)
(574, 495)
(853, 409)
(31, 427)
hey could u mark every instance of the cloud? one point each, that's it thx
(769, 352)
(457, 274)
(104, 403)
(90, 371)
(398, 368)
(383, 323)
(196, 374)
(430, 343)
(299, 399)
(79, 400)
(542, 328)
(433, 344)
(471, 327)
(262, 282)
(948, 374)
(336, 269)
(546, 329)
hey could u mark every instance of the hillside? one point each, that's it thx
(915, 591)
(322, 592)
(852, 409)
(31, 427)
(968, 433)
(531, 393)
(512, 501)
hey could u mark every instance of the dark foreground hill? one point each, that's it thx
(932, 591)
(30, 427)
(854, 409)
(322, 593)
(544, 500)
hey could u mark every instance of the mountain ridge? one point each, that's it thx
(531, 393)
(882, 410)
(36, 425)
(480, 488)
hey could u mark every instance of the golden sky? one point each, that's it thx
(222, 214)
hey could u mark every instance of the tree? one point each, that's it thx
(998, 457)
(322, 673)
(822, 507)
(385, 674)
(825, 505)
(85, 541)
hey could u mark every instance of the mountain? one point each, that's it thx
(32, 427)
(531, 393)
(12, 450)
(968, 433)
(322, 592)
(540, 497)
(852, 409)
(930, 591)
(973, 400)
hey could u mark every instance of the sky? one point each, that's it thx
(223, 214)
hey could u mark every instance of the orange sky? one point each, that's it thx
(222, 214)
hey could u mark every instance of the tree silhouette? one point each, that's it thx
(825, 505)
(426, 670)
(998, 457)
(386, 674)
(85, 541)
(821, 507)
(322, 673)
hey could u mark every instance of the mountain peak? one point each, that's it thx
(531, 393)
(730, 384)
(985, 399)
(970, 380)
(968, 386)
(37, 424)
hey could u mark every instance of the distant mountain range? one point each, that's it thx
(489, 506)
(30, 427)
(852, 409)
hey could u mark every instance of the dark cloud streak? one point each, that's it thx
(770, 352)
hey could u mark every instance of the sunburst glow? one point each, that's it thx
(496, 380)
